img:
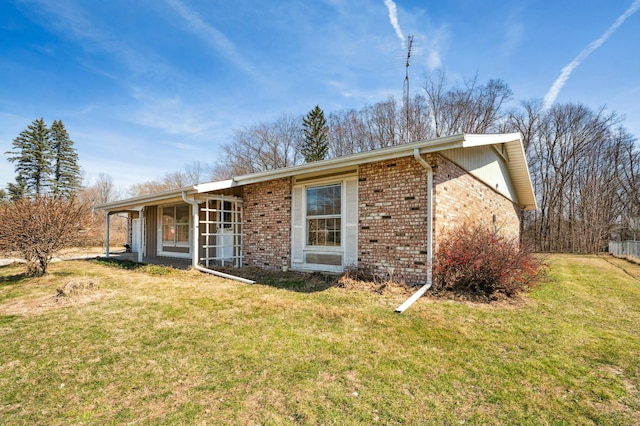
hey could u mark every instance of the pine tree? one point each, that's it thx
(314, 127)
(17, 190)
(65, 177)
(32, 157)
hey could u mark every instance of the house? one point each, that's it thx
(383, 210)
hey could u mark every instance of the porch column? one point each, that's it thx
(141, 244)
(106, 236)
(195, 235)
(195, 257)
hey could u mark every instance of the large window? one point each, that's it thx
(175, 226)
(324, 224)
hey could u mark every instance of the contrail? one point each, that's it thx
(551, 95)
(393, 17)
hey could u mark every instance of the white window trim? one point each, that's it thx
(306, 248)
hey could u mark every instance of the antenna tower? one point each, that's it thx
(406, 85)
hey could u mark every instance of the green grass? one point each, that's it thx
(179, 347)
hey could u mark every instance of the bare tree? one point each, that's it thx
(39, 227)
(376, 126)
(472, 108)
(577, 165)
(105, 189)
(265, 146)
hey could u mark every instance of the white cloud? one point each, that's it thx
(552, 94)
(169, 114)
(180, 145)
(213, 36)
(513, 37)
(429, 46)
(72, 22)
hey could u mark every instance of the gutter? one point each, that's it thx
(196, 238)
(400, 309)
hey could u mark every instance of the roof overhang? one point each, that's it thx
(516, 164)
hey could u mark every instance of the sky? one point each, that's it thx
(147, 87)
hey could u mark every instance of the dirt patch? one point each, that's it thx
(73, 293)
(374, 286)
(497, 300)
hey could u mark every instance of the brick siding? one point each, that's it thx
(392, 228)
(392, 206)
(267, 224)
(392, 202)
(460, 197)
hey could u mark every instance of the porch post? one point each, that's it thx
(195, 236)
(106, 237)
(141, 244)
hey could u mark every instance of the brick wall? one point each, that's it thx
(459, 197)
(392, 205)
(392, 229)
(267, 224)
(392, 202)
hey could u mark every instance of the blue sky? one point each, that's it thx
(148, 86)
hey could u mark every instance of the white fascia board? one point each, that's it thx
(215, 186)
(490, 139)
(143, 200)
(432, 145)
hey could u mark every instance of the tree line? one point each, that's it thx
(584, 164)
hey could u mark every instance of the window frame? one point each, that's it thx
(335, 231)
(175, 243)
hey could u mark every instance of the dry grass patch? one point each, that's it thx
(180, 347)
(75, 292)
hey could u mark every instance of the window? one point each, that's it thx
(175, 225)
(324, 222)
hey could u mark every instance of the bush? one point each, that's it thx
(473, 260)
(37, 228)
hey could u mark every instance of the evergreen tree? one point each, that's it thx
(65, 178)
(316, 144)
(32, 156)
(16, 190)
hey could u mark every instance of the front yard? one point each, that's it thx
(159, 346)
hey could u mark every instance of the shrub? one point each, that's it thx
(37, 228)
(476, 261)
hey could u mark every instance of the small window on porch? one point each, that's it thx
(175, 226)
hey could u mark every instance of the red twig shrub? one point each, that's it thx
(473, 260)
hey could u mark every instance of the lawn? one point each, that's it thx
(158, 346)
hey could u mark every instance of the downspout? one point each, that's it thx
(400, 309)
(196, 243)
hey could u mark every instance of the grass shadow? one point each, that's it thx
(293, 281)
(13, 279)
(8, 319)
(118, 263)
(130, 265)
